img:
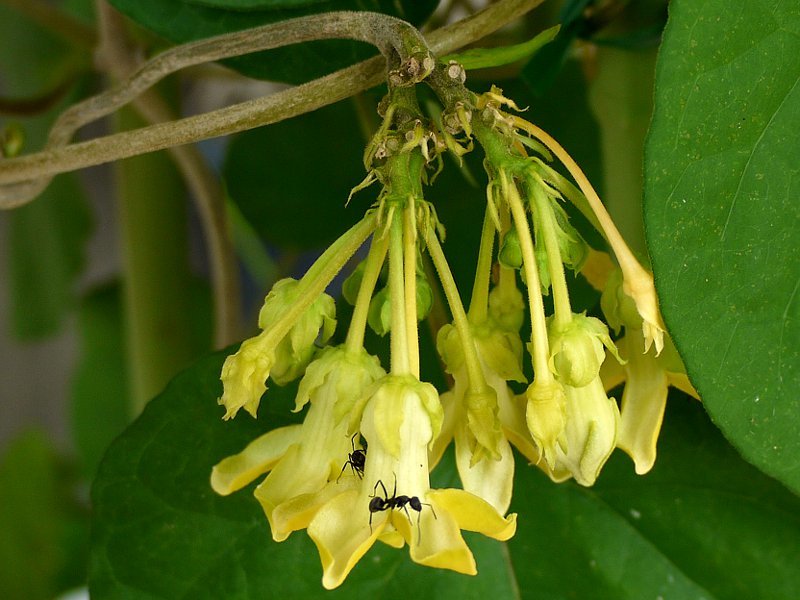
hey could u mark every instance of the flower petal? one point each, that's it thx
(490, 479)
(258, 457)
(296, 513)
(292, 476)
(436, 541)
(473, 513)
(341, 532)
(643, 402)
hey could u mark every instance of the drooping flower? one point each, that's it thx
(303, 459)
(394, 501)
(647, 377)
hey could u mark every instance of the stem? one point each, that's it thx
(372, 270)
(156, 272)
(477, 381)
(540, 347)
(18, 176)
(479, 302)
(410, 275)
(558, 280)
(322, 272)
(400, 364)
(627, 261)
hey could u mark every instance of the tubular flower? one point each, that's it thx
(394, 501)
(303, 459)
(484, 474)
(647, 377)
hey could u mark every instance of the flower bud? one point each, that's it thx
(424, 297)
(507, 307)
(379, 317)
(352, 284)
(546, 417)
(576, 350)
(510, 253)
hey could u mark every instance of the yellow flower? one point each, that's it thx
(394, 501)
(647, 378)
(303, 459)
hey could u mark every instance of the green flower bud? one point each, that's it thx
(296, 349)
(510, 253)
(379, 316)
(424, 297)
(573, 248)
(576, 350)
(546, 417)
(352, 284)
(507, 308)
(448, 344)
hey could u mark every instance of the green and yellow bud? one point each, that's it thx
(296, 349)
(546, 418)
(577, 349)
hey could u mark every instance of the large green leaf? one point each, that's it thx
(703, 524)
(182, 21)
(722, 182)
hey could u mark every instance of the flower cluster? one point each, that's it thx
(562, 420)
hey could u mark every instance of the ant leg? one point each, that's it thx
(344, 466)
(375, 489)
(431, 507)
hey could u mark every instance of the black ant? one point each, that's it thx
(380, 504)
(356, 459)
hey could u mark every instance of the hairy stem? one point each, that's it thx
(20, 177)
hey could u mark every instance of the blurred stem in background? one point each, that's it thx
(621, 98)
(156, 275)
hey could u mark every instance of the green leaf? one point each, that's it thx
(36, 524)
(46, 254)
(291, 180)
(722, 182)
(702, 524)
(101, 402)
(482, 58)
(161, 532)
(182, 21)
